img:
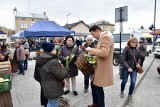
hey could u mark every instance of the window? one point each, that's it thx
(23, 25)
(32, 23)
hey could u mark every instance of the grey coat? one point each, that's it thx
(20, 54)
(143, 49)
(51, 75)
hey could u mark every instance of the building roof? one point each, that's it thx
(102, 22)
(157, 32)
(70, 26)
(31, 15)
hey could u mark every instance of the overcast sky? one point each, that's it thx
(140, 12)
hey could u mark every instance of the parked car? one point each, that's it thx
(157, 52)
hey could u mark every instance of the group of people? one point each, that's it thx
(21, 55)
(51, 71)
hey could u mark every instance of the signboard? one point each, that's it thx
(121, 14)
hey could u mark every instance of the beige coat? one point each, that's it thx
(104, 55)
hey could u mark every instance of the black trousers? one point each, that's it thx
(142, 60)
(97, 95)
(44, 100)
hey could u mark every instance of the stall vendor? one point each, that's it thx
(4, 53)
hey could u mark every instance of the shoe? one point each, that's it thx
(85, 90)
(23, 73)
(66, 92)
(129, 99)
(75, 93)
(93, 105)
(19, 73)
(122, 94)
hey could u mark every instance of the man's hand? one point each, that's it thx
(88, 49)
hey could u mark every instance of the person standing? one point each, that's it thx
(20, 56)
(65, 51)
(143, 50)
(51, 74)
(129, 55)
(26, 49)
(89, 43)
(5, 52)
(104, 69)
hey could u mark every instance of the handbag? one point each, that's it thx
(139, 70)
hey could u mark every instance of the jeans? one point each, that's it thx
(97, 95)
(21, 67)
(86, 81)
(25, 64)
(133, 76)
(53, 102)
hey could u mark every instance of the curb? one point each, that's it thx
(122, 103)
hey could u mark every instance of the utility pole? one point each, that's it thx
(154, 25)
(67, 17)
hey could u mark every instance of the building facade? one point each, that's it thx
(105, 26)
(81, 29)
(23, 21)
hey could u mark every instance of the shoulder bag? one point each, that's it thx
(139, 70)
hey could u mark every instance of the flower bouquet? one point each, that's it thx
(86, 63)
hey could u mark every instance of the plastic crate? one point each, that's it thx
(6, 85)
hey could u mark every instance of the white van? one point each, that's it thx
(124, 38)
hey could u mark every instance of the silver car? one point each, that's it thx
(157, 52)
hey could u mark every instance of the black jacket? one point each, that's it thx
(127, 58)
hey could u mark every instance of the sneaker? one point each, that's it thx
(23, 73)
(75, 93)
(122, 94)
(66, 92)
(19, 73)
(85, 90)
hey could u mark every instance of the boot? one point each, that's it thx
(129, 99)
(85, 89)
(122, 94)
(93, 105)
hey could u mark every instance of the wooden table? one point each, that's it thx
(5, 99)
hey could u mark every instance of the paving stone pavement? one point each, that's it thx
(148, 93)
(26, 91)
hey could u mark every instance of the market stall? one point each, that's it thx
(5, 84)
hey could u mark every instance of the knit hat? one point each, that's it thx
(142, 38)
(89, 37)
(48, 46)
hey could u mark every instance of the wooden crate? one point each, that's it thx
(5, 67)
(5, 99)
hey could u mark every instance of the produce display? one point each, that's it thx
(3, 80)
(90, 58)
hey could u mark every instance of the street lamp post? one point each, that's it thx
(67, 17)
(154, 25)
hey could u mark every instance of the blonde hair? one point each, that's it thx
(132, 39)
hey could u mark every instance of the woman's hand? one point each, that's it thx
(130, 70)
(138, 65)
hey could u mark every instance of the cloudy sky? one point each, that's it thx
(140, 12)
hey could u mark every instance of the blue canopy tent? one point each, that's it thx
(17, 35)
(44, 28)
